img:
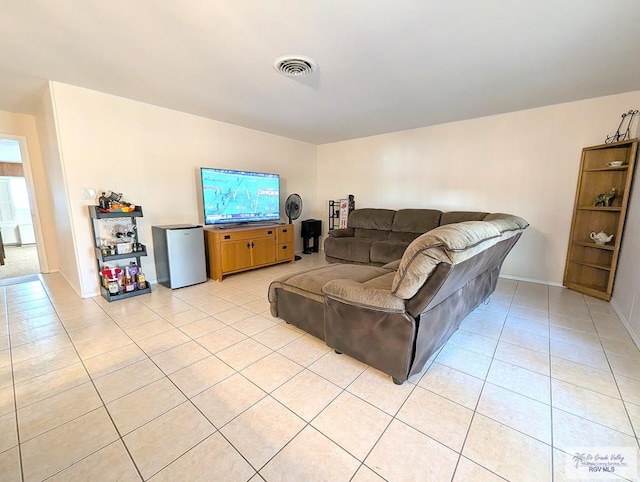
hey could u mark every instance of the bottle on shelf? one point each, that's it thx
(113, 287)
(133, 272)
(128, 280)
(103, 202)
(142, 279)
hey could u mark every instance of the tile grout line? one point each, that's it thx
(594, 391)
(99, 396)
(163, 413)
(307, 424)
(13, 382)
(393, 418)
(341, 392)
(615, 380)
(553, 460)
(270, 395)
(484, 381)
(189, 399)
(219, 430)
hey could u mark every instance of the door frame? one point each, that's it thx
(33, 201)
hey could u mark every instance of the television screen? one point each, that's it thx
(230, 196)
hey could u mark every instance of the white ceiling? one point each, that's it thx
(384, 65)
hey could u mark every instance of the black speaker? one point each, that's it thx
(311, 228)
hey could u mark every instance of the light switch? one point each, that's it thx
(88, 193)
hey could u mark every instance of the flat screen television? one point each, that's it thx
(238, 197)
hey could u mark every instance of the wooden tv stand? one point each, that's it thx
(232, 250)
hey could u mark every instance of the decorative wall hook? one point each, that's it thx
(627, 119)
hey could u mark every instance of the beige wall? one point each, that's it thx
(59, 205)
(23, 127)
(152, 155)
(525, 163)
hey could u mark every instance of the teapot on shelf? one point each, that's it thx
(601, 237)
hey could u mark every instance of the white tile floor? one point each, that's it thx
(202, 383)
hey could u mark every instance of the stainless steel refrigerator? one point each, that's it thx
(179, 254)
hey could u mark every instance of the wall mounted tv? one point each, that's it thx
(236, 197)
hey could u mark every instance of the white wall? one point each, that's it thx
(626, 292)
(152, 155)
(524, 163)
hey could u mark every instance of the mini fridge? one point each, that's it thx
(179, 254)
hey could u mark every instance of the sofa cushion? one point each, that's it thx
(342, 233)
(408, 224)
(309, 283)
(360, 294)
(371, 234)
(452, 243)
(355, 250)
(371, 218)
(386, 251)
(460, 216)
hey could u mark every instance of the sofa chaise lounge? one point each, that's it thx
(394, 317)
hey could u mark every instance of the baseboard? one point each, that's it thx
(531, 280)
(634, 336)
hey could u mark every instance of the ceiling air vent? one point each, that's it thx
(293, 66)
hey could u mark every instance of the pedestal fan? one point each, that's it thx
(293, 209)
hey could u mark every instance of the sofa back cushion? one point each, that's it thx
(451, 243)
(348, 250)
(371, 223)
(408, 224)
(506, 222)
(461, 216)
(383, 252)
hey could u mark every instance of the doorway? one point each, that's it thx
(18, 250)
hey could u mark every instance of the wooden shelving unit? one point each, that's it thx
(591, 267)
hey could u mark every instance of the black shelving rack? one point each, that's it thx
(101, 259)
(334, 210)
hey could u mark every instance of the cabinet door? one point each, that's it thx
(263, 251)
(235, 255)
(284, 234)
(284, 252)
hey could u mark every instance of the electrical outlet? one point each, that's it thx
(88, 193)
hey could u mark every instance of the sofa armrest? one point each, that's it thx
(342, 233)
(357, 294)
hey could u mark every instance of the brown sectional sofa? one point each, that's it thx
(379, 236)
(394, 317)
